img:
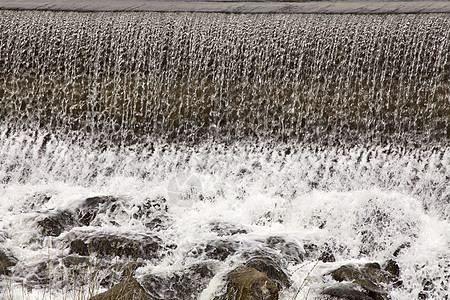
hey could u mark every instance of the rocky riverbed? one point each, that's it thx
(256, 268)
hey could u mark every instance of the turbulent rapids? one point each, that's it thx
(174, 148)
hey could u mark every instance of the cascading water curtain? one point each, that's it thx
(342, 79)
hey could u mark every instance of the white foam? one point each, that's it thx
(363, 209)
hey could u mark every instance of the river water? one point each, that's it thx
(330, 130)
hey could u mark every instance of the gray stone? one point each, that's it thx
(185, 284)
(111, 245)
(57, 223)
(344, 292)
(89, 209)
(7, 260)
(370, 277)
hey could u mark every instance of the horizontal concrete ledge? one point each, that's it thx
(231, 7)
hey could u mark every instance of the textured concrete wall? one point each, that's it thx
(232, 7)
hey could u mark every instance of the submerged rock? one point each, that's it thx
(75, 261)
(91, 207)
(217, 250)
(186, 284)
(79, 247)
(127, 289)
(57, 223)
(246, 283)
(36, 201)
(323, 253)
(289, 251)
(7, 260)
(369, 277)
(226, 229)
(343, 292)
(111, 246)
(151, 207)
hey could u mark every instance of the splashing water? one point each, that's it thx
(314, 129)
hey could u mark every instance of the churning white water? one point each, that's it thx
(288, 136)
(361, 203)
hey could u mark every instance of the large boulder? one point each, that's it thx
(127, 289)
(344, 292)
(185, 284)
(271, 268)
(368, 279)
(245, 283)
(142, 247)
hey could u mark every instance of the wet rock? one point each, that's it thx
(158, 287)
(193, 281)
(122, 270)
(74, 260)
(151, 207)
(89, 209)
(217, 250)
(310, 250)
(127, 289)
(39, 274)
(186, 284)
(7, 260)
(272, 256)
(56, 224)
(152, 212)
(110, 246)
(157, 223)
(220, 250)
(289, 250)
(369, 277)
(245, 283)
(392, 267)
(226, 229)
(79, 247)
(343, 292)
(120, 246)
(269, 267)
(400, 248)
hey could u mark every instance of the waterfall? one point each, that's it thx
(327, 79)
(182, 146)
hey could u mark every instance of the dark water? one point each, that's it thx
(124, 78)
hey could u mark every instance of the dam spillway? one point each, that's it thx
(239, 7)
(223, 131)
(192, 76)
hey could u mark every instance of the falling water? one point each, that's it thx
(190, 77)
(324, 129)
